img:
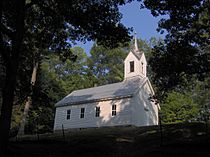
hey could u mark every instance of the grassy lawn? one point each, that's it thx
(178, 140)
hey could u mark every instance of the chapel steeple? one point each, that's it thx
(135, 63)
(135, 43)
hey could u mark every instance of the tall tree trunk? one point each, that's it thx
(28, 102)
(10, 82)
(1, 40)
(6, 110)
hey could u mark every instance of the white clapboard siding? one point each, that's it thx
(123, 116)
(145, 112)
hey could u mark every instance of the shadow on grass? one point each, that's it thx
(179, 140)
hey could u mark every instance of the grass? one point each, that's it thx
(178, 140)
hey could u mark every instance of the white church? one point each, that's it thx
(125, 103)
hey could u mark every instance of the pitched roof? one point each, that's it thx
(122, 89)
(135, 50)
(138, 54)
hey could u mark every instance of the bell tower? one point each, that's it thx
(135, 63)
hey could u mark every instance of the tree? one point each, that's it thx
(28, 101)
(105, 66)
(11, 64)
(56, 79)
(185, 51)
(179, 107)
(200, 93)
(73, 74)
(36, 27)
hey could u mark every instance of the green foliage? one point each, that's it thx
(55, 26)
(183, 20)
(106, 65)
(201, 95)
(196, 94)
(17, 115)
(179, 108)
(185, 51)
(55, 80)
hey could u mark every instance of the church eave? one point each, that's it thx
(93, 100)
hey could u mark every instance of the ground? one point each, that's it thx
(178, 140)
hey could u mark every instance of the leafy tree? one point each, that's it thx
(179, 107)
(185, 51)
(55, 80)
(29, 29)
(106, 65)
(200, 91)
(76, 72)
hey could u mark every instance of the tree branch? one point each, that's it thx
(6, 30)
(28, 5)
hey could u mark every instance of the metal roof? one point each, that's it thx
(119, 90)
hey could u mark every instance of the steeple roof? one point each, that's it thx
(134, 48)
(135, 43)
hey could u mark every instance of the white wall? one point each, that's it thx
(143, 60)
(127, 61)
(137, 66)
(123, 116)
(145, 112)
(138, 113)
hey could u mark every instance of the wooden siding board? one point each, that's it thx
(123, 116)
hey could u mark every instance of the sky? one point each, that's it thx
(142, 22)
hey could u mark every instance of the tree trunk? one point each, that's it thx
(23, 122)
(1, 42)
(6, 110)
(11, 62)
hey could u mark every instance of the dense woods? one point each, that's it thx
(43, 33)
(182, 62)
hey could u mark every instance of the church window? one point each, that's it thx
(97, 111)
(114, 110)
(82, 113)
(68, 114)
(131, 66)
